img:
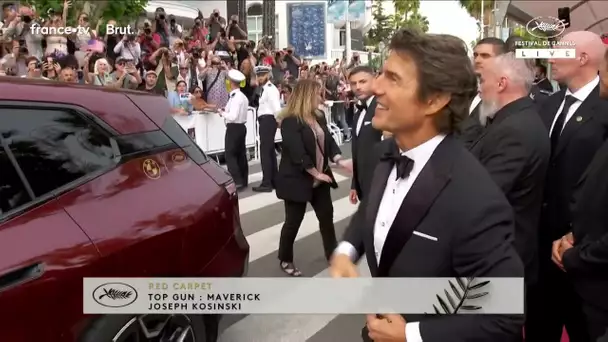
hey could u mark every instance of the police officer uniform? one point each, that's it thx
(269, 107)
(235, 115)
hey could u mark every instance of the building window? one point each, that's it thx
(342, 37)
(254, 27)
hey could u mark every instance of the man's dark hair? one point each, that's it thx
(499, 46)
(443, 67)
(511, 43)
(361, 68)
(542, 68)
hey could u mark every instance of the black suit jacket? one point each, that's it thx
(364, 150)
(470, 128)
(298, 154)
(455, 200)
(515, 149)
(580, 139)
(587, 261)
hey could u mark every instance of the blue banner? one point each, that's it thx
(336, 10)
(306, 23)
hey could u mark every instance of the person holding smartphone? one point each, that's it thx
(125, 75)
(179, 99)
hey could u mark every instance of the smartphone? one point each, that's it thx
(184, 96)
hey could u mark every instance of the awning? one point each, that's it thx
(171, 7)
(585, 15)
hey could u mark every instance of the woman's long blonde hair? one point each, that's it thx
(302, 101)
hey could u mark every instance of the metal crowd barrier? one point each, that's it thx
(207, 129)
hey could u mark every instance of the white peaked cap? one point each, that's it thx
(236, 76)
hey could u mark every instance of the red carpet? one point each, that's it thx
(565, 336)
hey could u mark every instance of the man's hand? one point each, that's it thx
(342, 267)
(559, 247)
(352, 196)
(389, 328)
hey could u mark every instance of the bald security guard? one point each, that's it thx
(235, 115)
(269, 107)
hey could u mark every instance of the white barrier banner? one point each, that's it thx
(303, 295)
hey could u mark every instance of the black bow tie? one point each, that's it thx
(403, 163)
(361, 107)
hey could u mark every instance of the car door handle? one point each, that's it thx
(20, 276)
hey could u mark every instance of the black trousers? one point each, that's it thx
(294, 214)
(267, 131)
(236, 153)
(597, 323)
(552, 303)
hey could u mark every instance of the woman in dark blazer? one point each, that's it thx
(304, 173)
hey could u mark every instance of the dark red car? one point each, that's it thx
(103, 183)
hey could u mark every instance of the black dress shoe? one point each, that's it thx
(262, 188)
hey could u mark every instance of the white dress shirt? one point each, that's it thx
(236, 108)
(474, 104)
(270, 101)
(362, 114)
(580, 95)
(394, 194)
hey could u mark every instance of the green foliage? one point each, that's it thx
(474, 6)
(123, 11)
(407, 15)
(523, 32)
(381, 31)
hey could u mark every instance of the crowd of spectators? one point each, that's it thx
(162, 57)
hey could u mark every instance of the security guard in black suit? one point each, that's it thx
(269, 106)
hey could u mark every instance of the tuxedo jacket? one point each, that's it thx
(299, 153)
(454, 200)
(364, 150)
(587, 261)
(515, 149)
(580, 139)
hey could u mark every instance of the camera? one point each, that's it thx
(147, 31)
(38, 65)
(277, 55)
(130, 37)
(196, 53)
(216, 15)
(234, 22)
(26, 19)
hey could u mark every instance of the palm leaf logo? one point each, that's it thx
(115, 294)
(456, 300)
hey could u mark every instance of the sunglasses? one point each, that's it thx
(121, 63)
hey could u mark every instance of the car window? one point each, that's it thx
(13, 192)
(53, 147)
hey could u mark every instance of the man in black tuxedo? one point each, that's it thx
(432, 210)
(483, 53)
(583, 253)
(577, 125)
(365, 136)
(514, 148)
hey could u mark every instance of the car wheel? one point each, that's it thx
(147, 328)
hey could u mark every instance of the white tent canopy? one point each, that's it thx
(184, 14)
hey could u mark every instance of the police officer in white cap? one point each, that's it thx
(235, 115)
(269, 107)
